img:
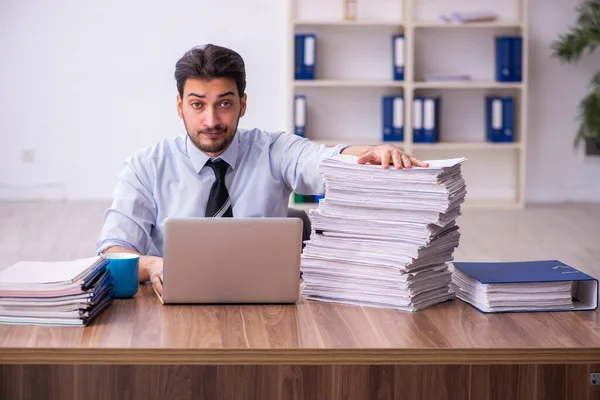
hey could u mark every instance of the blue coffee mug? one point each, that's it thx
(124, 268)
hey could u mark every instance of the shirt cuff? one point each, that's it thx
(339, 148)
(108, 243)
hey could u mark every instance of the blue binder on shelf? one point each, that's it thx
(431, 117)
(509, 58)
(524, 278)
(417, 121)
(393, 118)
(318, 198)
(517, 59)
(500, 119)
(305, 53)
(300, 115)
(398, 57)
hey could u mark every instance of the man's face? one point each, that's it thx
(211, 111)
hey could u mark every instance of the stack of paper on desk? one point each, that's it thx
(383, 237)
(547, 285)
(55, 293)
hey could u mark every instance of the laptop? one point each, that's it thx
(231, 260)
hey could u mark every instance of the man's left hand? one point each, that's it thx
(386, 155)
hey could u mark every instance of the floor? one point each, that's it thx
(570, 233)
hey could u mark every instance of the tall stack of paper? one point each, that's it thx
(55, 293)
(383, 237)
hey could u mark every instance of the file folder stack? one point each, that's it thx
(547, 285)
(384, 237)
(55, 293)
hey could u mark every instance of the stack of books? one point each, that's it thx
(55, 293)
(384, 237)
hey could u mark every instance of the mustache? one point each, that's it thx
(217, 129)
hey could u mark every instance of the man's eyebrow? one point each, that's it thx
(202, 96)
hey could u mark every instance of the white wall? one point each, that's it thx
(555, 171)
(83, 85)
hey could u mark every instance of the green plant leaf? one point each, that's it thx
(582, 38)
(589, 116)
(595, 81)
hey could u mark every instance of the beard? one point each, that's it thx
(212, 146)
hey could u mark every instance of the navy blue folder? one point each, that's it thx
(585, 295)
(500, 120)
(503, 59)
(517, 59)
(431, 119)
(304, 56)
(509, 58)
(300, 115)
(393, 118)
(398, 57)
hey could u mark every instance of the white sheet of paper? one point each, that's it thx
(45, 272)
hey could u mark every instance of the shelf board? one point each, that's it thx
(353, 142)
(424, 146)
(467, 146)
(360, 23)
(467, 85)
(454, 25)
(346, 83)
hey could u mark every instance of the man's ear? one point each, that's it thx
(179, 106)
(243, 109)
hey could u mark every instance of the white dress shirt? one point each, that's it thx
(169, 179)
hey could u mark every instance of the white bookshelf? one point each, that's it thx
(354, 70)
(439, 24)
(467, 85)
(346, 83)
(466, 146)
(342, 23)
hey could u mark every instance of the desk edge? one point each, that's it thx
(380, 356)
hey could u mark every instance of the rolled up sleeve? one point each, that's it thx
(130, 219)
(300, 163)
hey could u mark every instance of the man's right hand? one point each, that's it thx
(153, 269)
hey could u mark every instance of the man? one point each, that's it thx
(216, 170)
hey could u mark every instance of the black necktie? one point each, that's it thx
(219, 204)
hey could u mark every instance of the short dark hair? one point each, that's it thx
(210, 62)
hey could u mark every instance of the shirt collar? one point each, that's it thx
(199, 158)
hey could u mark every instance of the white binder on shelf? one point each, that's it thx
(398, 119)
(305, 56)
(417, 119)
(300, 115)
(398, 55)
(430, 119)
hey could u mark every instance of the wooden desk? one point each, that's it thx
(140, 349)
